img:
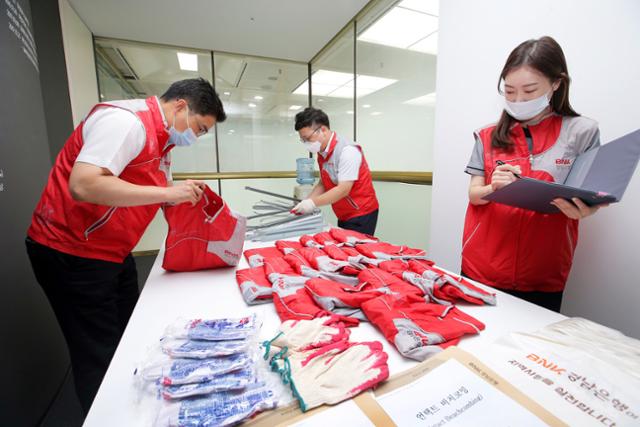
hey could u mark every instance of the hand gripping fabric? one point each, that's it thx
(351, 237)
(451, 287)
(254, 285)
(207, 235)
(303, 335)
(332, 373)
(255, 257)
(419, 329)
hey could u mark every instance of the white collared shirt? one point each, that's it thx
(113, 137)
(350, 160)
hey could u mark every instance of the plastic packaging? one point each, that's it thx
(214, 330)
(237, 380)
(202, 349)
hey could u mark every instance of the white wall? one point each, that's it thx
(600, 41)
(81, 69)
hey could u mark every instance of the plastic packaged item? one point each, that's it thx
(167, 371)
(237, 380)
(202, 349)
(219, 409)
(215, 329)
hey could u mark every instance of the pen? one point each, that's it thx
(500, 163)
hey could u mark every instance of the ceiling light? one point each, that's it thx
(366, 106)
(376, 113)
(400, 28)
(252, 105)
(424, 100)
(231, 130)
(428, 44)
(227, 93)
(258, 97)
(188, 61)
(350, 112)
(295, 107)
(337, 84)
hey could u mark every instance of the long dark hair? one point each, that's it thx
(545, 56)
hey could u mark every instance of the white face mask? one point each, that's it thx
(527, 110)
(313, 147)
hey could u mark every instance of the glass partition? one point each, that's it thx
(397, 42)
(260, 100)
(128, 70)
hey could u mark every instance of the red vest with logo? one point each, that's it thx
(518, 249)
(362, 199)
(94, 231)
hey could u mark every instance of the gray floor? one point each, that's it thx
(65, 410)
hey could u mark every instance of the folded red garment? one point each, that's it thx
(418, 329)
(351, 237)
(254, 285)
(287, 246)
(255, 257)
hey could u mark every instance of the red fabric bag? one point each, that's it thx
(207, 235)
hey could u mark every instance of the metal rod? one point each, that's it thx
(267, 214)
(268, 193)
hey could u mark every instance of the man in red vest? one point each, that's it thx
(106, 185)
(345, 179)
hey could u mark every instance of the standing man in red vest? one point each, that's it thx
(105, 187)
(345, 179)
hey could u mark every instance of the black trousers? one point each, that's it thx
(549, 300)
(364, 224)
(92, 301)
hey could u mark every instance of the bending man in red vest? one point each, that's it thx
(105, 187)
(345, 179)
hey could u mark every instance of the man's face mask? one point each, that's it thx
(184, 138)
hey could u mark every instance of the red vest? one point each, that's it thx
(513, 248)
(361, 200)
(95, 231)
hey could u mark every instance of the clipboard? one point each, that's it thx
(600, 175)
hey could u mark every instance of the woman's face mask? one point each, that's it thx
(184, 138)
(526, 110)
(527, 92)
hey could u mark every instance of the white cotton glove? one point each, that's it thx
(301, 335)
(304, 207)
(333, 373)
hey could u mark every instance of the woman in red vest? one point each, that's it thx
(526, 253)
(105, 187)
(345, 179)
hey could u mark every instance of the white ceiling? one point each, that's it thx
(287, 29)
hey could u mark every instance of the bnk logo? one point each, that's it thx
(546, 363)
(563, 162)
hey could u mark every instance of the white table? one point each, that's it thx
(213, 294)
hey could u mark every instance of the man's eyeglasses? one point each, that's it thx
(306, 139)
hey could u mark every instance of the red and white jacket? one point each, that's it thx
(361, 200)
(94, 231)
(517, 249)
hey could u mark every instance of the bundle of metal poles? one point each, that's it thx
(273, 219)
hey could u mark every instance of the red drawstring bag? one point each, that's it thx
(207, 235)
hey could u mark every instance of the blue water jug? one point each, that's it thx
(304, 171)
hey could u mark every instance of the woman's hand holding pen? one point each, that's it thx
(503, 175)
